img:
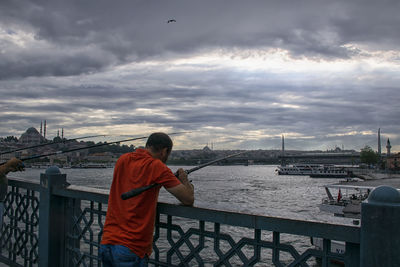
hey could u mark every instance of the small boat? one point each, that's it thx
(346, 204)
(348, 200)
(336, 247)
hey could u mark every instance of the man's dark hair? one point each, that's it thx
(158, 141)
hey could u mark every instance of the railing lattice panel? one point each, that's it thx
(85, 233)
(19, 232)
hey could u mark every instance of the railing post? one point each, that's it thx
(380, 231)
(51, 219)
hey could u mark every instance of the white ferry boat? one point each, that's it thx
(298, 169)
(90, 166)
(314, 170)
(330, 171)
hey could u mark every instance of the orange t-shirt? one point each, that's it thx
(131, 222)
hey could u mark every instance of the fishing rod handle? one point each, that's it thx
(136, 191)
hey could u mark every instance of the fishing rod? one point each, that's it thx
(50, 143)
(138, 191)
(80, 148)
(212, 162)
(86, 147)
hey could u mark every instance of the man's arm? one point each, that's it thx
(12, 165)
(185, 191)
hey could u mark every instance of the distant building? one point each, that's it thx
(206, 149)
(31, 136)
(101, 157)
(393, 162)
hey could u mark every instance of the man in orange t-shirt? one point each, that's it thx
(128, 229)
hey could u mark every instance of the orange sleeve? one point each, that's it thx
(166, 177)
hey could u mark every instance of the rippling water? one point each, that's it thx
(252, 189)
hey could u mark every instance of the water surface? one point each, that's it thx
(254, 189)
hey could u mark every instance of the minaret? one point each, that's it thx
(388, 147)
(379, 142)
(62, 133)
(58, 133)
(41, 127)
(44, 131)
(283, 151)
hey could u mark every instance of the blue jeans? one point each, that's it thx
(120, 256)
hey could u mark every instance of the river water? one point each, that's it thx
(254, 189)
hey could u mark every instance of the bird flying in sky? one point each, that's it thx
(171, 20)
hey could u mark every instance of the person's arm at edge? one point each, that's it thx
(12, 165)
(185, 191)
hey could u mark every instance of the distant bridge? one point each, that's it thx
(289, 157)
(333, 158)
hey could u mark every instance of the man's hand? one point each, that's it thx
(182, 176)
(14, 165)
(185, 191)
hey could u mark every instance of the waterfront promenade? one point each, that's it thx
(52, 223)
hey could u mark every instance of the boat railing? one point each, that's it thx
(69, 228)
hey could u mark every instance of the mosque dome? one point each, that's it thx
(31, 136)
(32, 130)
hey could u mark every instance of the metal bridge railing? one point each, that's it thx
(19, 242)
(69, 229)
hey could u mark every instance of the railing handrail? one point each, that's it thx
(83, 192)
(340, 232)
(25, 183)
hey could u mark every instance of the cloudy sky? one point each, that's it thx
(238, 74)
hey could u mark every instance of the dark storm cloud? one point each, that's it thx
(74, 37)
(43, 66)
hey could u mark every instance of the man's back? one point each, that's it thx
(128, 230)
(131, 222)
